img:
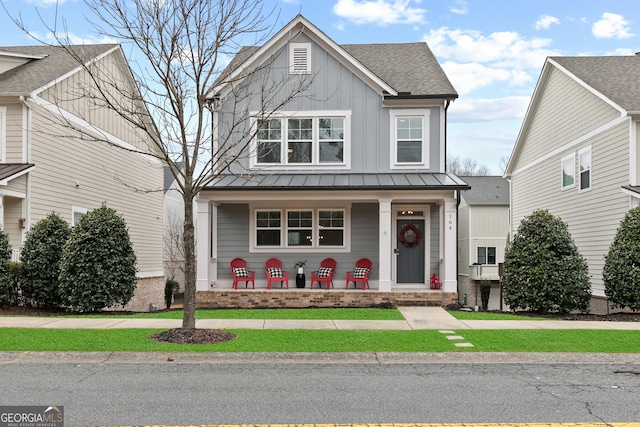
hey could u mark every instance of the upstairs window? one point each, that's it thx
(409, 130)
(584, 157)
(568, 165)
(299, 58)
(302, 140)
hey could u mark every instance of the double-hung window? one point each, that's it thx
(584, 158)
(303, 139)
(568, 166)
(299, 228)
(409, 136)
(487, 255)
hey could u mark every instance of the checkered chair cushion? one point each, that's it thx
(360, 272)
(324, 271)
(275, 272)
(241, 272)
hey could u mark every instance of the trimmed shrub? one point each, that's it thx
(40, 257)
(7, 294)
(98, 265)
(621, 272)
(543, 269)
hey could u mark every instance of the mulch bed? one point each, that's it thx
(193, 336)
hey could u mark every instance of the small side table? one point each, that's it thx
(300, 280)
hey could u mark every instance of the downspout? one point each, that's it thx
(26, 158)
(447, 103)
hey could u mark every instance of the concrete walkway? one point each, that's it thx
(415, 318)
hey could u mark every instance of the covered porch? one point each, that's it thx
(404, 223)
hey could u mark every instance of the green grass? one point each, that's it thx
(270, 314)
(269, 340)
(481, 315)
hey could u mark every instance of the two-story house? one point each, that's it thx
(348, 169)
(52, 161)
(577, 153)
(483, 230)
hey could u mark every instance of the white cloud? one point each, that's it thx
(71, 38)
(611, 25)
(466, 110)
(380, 12)
(473, 60)
(545, 21)
(45, 3)
(460, 7)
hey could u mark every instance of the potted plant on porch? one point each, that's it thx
(300, 278)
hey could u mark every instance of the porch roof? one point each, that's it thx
(339, 181)
(10, 170)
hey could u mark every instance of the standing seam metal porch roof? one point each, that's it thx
(339, 181)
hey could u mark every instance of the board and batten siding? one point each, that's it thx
(592, 216)
(232, 223)
(333, 88)
(564, 112)
(85, 174)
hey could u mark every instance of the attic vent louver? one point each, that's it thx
(300, 58)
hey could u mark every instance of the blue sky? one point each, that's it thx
(492, 50)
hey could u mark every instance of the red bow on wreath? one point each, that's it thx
(415, 232)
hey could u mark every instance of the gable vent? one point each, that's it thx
(300, 58)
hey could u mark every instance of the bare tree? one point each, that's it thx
(466, 167)
(184, 45)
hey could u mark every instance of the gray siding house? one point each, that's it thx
(577, 153)
(347, 168)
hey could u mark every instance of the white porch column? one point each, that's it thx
(449, 255)
(385, 281)
(203, 236)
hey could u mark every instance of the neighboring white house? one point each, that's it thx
(578, 154)
(483, 229)
(48, 167)
(344, 170)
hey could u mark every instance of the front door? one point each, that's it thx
(410, 244)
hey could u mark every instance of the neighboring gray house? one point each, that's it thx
(343, 170)
(577, 153)
(483, 229)
(47, 166)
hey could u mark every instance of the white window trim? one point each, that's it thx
(3, 134)
(579, 173)
(77, 210)
(571, 157)
(394, 114)
(495, 248)
(315, 165)
(299, 47)
(283, 248)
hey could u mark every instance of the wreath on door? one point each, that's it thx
(407, 232)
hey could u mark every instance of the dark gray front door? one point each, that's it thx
(411, 253)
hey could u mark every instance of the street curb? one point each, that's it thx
(384, 358)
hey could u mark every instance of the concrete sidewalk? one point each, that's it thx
(415, 318)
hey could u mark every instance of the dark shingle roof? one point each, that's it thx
(7, 170)
(616, 77)
(407, 67)
(37, 73)
(486, 190)
(340, 181)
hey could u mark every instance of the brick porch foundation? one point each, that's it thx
(294, 298)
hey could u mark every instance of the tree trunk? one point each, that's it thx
(189, 316)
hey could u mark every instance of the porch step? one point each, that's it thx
(417, 302)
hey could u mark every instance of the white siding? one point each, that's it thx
(565, 111)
